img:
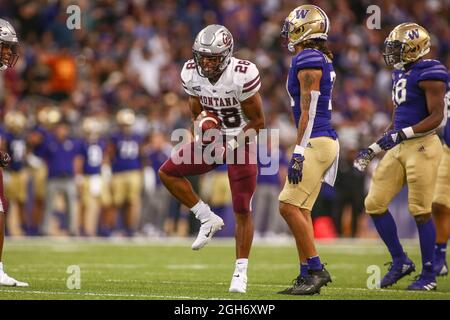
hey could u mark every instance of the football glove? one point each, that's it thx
(295, 169)
(363, 159)
(394, 137)
(5, 159)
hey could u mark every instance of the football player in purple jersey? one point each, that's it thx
(413, 150)
(309, 85)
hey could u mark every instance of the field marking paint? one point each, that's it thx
(107, 294)
(39, 292)
(196, 283)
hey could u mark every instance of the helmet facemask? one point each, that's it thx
(8, 54)
(393, 52)
(216, 64)
(284, 34)
(212, 50)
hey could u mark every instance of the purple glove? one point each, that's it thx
(295, 169)
(391, 139)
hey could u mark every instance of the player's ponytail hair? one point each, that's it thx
(318, 44)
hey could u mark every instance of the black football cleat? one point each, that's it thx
(295, 283)
(310, 284)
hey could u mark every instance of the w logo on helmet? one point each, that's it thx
(301, 13)
(413, 34)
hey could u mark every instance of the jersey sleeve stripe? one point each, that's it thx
(436, 72)
(248, 84)
(436, 68)
(309, 54)
(309, 60)
(252, 87)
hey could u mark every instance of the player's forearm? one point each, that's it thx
(302, 124)
(252, 108)
(305, 102)
(309, 80)
(430, 123)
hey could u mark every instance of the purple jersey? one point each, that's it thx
(157, 158)
(313, 59)
(409, 99)
(127, 155)
(447, 114)
(16, 147)
(93, 154)
(39, 149)
(60, 156)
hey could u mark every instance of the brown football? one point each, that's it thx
(206, 121)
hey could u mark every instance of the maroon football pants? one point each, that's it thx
(241, 175)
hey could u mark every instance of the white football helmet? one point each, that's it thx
(212, 49)
(8, 45)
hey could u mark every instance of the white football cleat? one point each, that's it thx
(6, 280)
(207, 229)
(238, 283)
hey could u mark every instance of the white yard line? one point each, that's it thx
(106, 294)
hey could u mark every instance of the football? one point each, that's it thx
(204, 123)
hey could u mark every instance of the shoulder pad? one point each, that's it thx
(431, 70)
(245, 73)
(188, 71)
(309, 58)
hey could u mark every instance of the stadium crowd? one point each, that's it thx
(120, 71)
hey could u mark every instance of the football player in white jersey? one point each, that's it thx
(217, 82)
(8, 58)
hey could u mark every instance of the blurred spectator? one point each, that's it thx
(124, 152)
(147, 60)
(61, 152)
(267, 220)
(95, 195)
(16, 175)
(350, 195)
(155, 195)
(62, 77)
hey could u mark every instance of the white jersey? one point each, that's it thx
(239, 81)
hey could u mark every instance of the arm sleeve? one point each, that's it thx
(251, 82)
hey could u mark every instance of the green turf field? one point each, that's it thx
(171, 270)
